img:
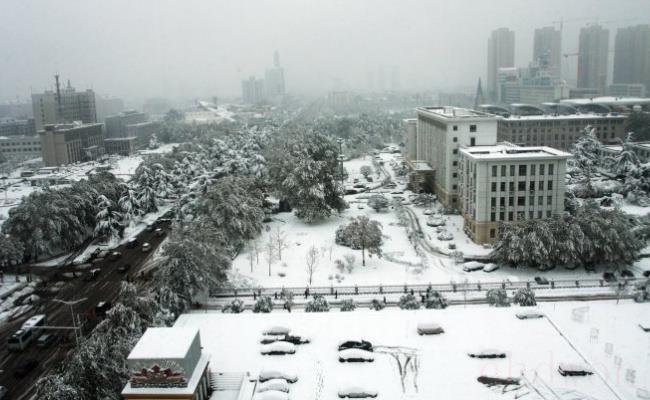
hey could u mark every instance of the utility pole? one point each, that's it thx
(70, 304)
(340, 162)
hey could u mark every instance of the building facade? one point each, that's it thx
(441, 131)
(168, 363)
(63, 106)
(116, 125)
(274, 78)
(627, 90)
(593, 54)
(253, 91)
(122, 146)
(20, 146)
(142, 131)
(71, 143)
(17, 127)
(505, 183)
(559, 131)
(547, 48)
(410, 139)
(632, 55)
(501, 54)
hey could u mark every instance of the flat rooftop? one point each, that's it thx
(454, 112)
(565, 116)
(610, 100)
(163, 343)
(510, 151)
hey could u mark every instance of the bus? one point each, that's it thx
(27, 333)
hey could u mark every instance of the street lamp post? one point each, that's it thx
(70, 304)
(340, 161)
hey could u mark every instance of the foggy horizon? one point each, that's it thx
(145, 49)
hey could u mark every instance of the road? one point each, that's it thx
(105, 288)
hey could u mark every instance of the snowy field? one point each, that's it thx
(533, 347)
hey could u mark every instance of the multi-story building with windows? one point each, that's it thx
(17, 127)
(504, 183)
(559, 131)
(17, 147)
(116, 125)
(71, 143)
(410, 138)
(441, 132)
(63, 106)
(122, 146)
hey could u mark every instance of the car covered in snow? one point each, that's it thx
(268, 374)
(276, 330)
(271, 395)
(146, 247)
(435, 221)
(472, 266)
(356, 392)
(540, 280)
(491, 267)
(428, 211)
(429, 328)
(295, 339)
(355, 344)
(609, 277)
(445, 235)
(278, 348)
(278, 385)
(529, 315)
(487, 353)
(574, 369)
(356, 355)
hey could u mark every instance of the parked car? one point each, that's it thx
(355, 392)
(278, 348)
(429, 328)
(626, 273)
(529, 315)
(428, 211)
(295, 339)
(25, 367)
(646, 274)
(132, 243)
(571, 369)
(45, 340)
(123, 268)
(114, 256)
(490, 267)
(95, 252)
(540, 280)
(268, 374)
(92, 274)
(159, 232)
(146, 247)
(278, 385)
(151, 227)
(102, 308)
(487, 353)
(356, 344)
(609, 277)
(276, 330)
(356, 355)
(3, 392)
(472, 266)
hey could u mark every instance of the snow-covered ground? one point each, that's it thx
(444, 370)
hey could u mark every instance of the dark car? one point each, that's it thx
(132, 243)
(95, 252)
(151, 228)
(101, 308)
(114, 256)
(540, 280)
(123, 268)
(356, 344)
(25, 367)
(646, 274)
(609, 277)
(46, 340)
(626, 273)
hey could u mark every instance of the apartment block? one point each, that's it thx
(116, 125)
(503, 183)
(63, 106)
(20, 146)
(71, 143)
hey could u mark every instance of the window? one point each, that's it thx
(521, 215)
(492, 233)
(550, 169)
(455, 139)
(549, 186)
(511, 186)
(502, 216)
(548, 214)
(539, 214)
(455, 151)
(493, 217)
(521, 186)
(494, 186)
(531, 200)
(531, 214)
(541, 169)
(522, 170)
(454, 175)
(510, 218)
(472, 128)
(472, 141)
(454, 187)
(511, 201)
(512, 170)
(503, 186)
(493, 201)
(521, 201)
(455, 129)
(549, 200)
(455, 163)
(494, 171)
(540, 185)
(503, 170)
(531, 186)
(540, 200)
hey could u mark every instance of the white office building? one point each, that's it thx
(503, 183)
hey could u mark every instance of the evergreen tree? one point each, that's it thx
(363, 234)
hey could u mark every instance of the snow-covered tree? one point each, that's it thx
(311, 262)
(153, 142)
(363, 234)
(365, 170)
(378, 202)
(11, 251)
(435, 299)
(626, 160)
(408, 302)
(129, 205)
(348, 305)
(109, 221)
(263, 305)
(497, 298)
(525, 297)
(317, 304)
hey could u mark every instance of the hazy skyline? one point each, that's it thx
(148, 48)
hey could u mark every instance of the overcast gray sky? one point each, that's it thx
(197, 48)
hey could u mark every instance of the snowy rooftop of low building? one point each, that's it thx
(454, 113)
(502, 151)
(610, 100)
(560, 117)
(421, 166)
(163, 343)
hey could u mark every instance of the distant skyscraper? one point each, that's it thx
(501, 53)
(274, 78)
(253, 90)
(65, 105)
(592, 58)
(632, 55)
(547, 49)
(479, 99)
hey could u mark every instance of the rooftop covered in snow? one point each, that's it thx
(453, 113)
(508, 151)
(164, 343)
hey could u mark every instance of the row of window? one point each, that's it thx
(20, 144)
(521, 201)
(21, 150)
(520, 215)
(522, 169)
(472, 128)
(521, 186)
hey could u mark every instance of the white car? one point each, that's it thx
(271, 395)
(278, 385)
(428, 211)
(268, 374)
(278, 348)
(356, 355)
(472, 266)
(490, 267)
(435, 221)
(277, 330)
(445, 235)
(573, 369)
(356, 392)
(487, 353)
(429, 328)
(529, 315)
